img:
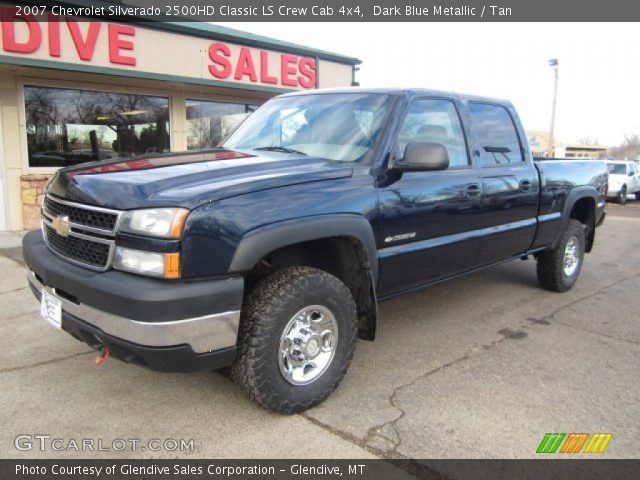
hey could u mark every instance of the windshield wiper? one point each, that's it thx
(276, 148)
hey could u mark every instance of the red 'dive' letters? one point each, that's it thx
(119, 37)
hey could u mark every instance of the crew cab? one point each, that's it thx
(270, 254)
(624, 180)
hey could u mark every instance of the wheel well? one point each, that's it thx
(584, 210)
(344, 257)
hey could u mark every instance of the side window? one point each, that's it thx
(435, 120)
(496, 133)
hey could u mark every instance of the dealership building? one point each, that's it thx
(80, 89)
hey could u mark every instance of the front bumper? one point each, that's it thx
(164, 325)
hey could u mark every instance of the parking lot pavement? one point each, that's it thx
(50, 384)
(478, 367)
(631, 209)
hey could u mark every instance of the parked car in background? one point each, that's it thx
(623, 180)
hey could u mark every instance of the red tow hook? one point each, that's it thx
(105, 353)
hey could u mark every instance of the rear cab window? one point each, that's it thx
(496, 133)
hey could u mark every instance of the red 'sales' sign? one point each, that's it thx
(294, 71)
(81, 41)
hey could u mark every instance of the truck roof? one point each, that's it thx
(400, 92)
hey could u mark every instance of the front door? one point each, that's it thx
(429, 220)
(634, 178)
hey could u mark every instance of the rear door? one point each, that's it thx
(429, 220)
(509, 182)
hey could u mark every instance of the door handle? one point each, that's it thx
(472, 190)
(525, 185)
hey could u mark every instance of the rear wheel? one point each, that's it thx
(622, 196)
(297, 337)
(558, 269)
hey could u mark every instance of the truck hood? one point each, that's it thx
(189, 179)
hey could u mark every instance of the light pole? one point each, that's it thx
(553, 63)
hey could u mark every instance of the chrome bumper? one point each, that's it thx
(202, 334)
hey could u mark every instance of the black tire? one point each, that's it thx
(637, 194)
(551, 266)
(267, 310)
(622, 196)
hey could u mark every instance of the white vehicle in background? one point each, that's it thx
(623, 180)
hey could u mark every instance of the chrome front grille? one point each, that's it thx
(82, 234)
(99, 219)
(88, 252)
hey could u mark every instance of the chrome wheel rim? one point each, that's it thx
(307, 345)
(571, 257)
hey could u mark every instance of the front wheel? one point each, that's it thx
(297, 337)
(622, 196)
(558, 269)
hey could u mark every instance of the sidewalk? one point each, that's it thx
(11, 244)
(9, 239)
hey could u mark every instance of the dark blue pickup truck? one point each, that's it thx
(270, 253)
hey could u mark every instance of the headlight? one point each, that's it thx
(164, 265)
(156, 222)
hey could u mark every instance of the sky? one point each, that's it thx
(599, 66)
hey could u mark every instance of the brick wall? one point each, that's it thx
(32, 195)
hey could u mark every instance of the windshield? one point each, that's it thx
(617, 168)
(341, 126)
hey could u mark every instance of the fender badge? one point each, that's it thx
(402, 236)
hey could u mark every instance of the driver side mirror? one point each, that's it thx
(423, 157)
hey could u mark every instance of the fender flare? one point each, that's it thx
(578, 193)
(263, 240)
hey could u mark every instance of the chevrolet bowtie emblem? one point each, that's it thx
(61, 225)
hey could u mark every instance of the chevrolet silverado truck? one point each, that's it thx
(270, 253)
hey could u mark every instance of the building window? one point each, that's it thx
(208, 123)
(68, 126)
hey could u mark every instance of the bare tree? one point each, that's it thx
(588, 141)
(629, 148)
